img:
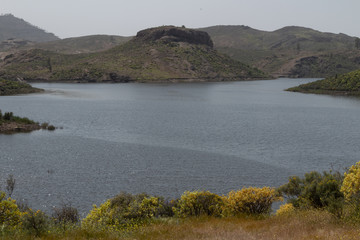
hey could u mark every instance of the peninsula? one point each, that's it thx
(345, 84)
(15, 87)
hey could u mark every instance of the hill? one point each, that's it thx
(288, 52)
(8, 87)
(348, 84)
(86, 44)
(12, 27)
(159, 54)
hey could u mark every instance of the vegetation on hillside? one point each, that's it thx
(8, 87)
(348, 84)
(320, 205)
(178, 55)
(76, 45)
(287, 51)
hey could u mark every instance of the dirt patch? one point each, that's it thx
(10, 128)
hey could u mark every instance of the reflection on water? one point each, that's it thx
(167, 138)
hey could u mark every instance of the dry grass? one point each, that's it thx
(300, 225)
(306, 225)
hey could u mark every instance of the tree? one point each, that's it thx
(10, 184)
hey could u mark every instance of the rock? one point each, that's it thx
(175, 34)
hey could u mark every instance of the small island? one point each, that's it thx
(13, 124)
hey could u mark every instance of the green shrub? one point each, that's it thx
(35, 223)
(8, 116)
(250, 201)
(65, 214)
(315, 190)
(51, 128)
(199, 203)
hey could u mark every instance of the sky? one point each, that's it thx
(73, 18)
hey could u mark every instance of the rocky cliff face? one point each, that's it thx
(175, 34)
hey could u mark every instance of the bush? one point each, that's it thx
(123, 212)
(351, 190)
(35, 223)
(351, 184)
(8, 116)
(315, 190)
(250, 201)
(285, 209)
(51, 128)
(65, 214)
(199, 203)
(9, 212)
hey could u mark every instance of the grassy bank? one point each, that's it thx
(309, 224)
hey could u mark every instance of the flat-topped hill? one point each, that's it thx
(157, 54)
(175, 34)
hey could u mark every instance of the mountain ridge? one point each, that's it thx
(12, 27)
(175, 54)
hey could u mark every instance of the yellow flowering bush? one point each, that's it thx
(285, 209)
(351, 184)
(250, 201)
(123, 212)
(198, 203)
(99, 217)
(9, 212)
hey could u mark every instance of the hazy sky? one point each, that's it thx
(72, 18)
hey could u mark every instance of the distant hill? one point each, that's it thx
(86, 44)
(287, 51)
(348, 84)
(157, 54)
(12, 27)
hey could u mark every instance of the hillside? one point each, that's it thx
(16, 87)
(12, 27)
(287, 51)
(158, 54)
(86, 44)
(348, 84)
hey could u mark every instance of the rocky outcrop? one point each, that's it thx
(175, 34)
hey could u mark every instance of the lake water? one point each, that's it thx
(167, 138)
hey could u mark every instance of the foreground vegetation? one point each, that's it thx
(319, 206)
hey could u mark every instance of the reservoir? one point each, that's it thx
(164, 139)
